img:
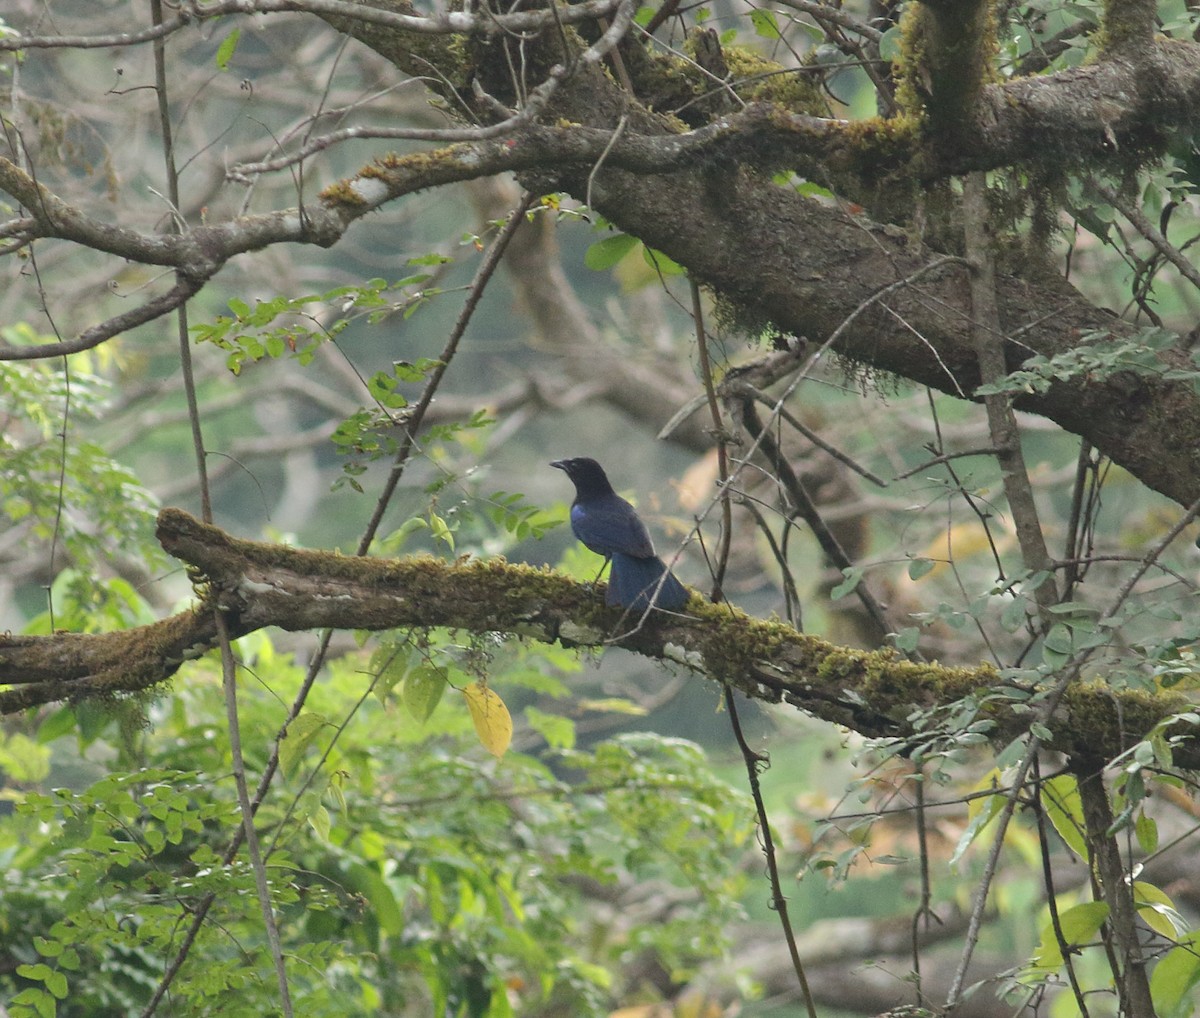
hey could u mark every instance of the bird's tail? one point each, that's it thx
(634, 582)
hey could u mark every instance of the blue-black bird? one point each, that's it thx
(610, 526)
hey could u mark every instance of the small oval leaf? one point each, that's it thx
(423, 688)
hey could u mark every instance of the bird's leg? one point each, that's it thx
(603, 566)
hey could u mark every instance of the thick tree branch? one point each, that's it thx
(259, 585)
(785, 259)
(803, 266)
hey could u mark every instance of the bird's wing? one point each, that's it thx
(610, 524)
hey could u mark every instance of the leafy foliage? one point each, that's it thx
(410, 873)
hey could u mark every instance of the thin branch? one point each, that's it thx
(820, 442)
(975, 922)
(483, 275)
(444, 23)
(924, 910)
(534, 104)
(1147, 229)
(987, 450)
(229, 674)
(13, 41)
(184, 289)
(1064, 949)
(721, 437)
(1002, 422)
(753, 761)
(792, 605)
(803, 506)
(835, 16)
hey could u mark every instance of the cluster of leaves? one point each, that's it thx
(61, 489)
(1075, 926)
(1097, 357)
(296, 326)
(411, 873)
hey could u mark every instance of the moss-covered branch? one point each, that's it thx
(258, 585)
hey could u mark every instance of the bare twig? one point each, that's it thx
(1147, 229)
(721, 437)
(443, 23)
(753, 761)
(1002, 422)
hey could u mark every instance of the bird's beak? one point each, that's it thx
(561, 464)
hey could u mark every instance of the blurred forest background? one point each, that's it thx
(608, 863)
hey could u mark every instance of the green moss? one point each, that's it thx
(871, 144)
(757, 79)
(671, 85)
(342, 193)
(910, 88)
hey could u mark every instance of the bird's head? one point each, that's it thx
(588, 475)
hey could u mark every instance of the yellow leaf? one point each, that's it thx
(493, 723)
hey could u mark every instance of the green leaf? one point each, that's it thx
(395, 541)
(852, 577)
(47, 948)
(1174, 977)
(1080, 924)
(765, 23)
(38, 999)
(1060, 796)
(1013, 616)
(61, 722)
(614, 705)
(429, 259)
(423, 688)
(226, 50)
(889, 45)
(559, 732)
(368, 881)
(300, 734)
(389, 665)
(39, 972)
(981, 812)
(56, 983)
(441, 530)
(1056, 648)
(1011, 753)
(919, 567)
(643, 16)
(1146, 831)
(318, 819)
(93, 721)
(1157, 910)
(604, 254)
(662, 263)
